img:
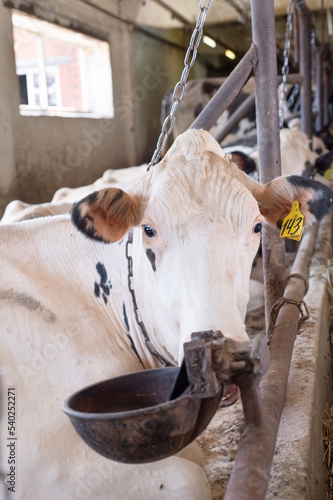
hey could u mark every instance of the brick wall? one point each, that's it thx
(56, 53)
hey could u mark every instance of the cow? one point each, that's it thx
(297, 158)
(62, 200)
(67, 315)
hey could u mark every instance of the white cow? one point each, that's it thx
(63, 199)
(297, 158)
(67, 318)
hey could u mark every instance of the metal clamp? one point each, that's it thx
(212, 359)
(284, 300)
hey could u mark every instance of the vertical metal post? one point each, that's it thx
(319, 88)
(296, 38)
(304, 29)
(269, 159)
(326, 87)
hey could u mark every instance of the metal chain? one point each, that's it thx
(285, 67)
(180, 88)
(146, 337)
(315, 102)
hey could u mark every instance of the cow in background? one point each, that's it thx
(297, 157)
(67, 317)
(198, 94)
(64, 198)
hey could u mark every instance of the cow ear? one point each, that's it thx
(324, 162)
(243, 161)
(107, 215)
(276, 199)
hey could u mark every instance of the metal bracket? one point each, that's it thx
(304, 315)
(212, 359)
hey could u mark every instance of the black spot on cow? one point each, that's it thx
(318, 208)
(309, 170)
(322, 202)
(104, 286)
(129, 336)
(151, 257)
(209, 88)
(134, 349)
(324, 162)
(118, 196)
(197, 110)
(97, 290)
(302, 182)
(125, 317)
(326, 135)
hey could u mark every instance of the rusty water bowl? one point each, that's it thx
(130, 419)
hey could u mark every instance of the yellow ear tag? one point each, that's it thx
(329, 173)
(292, 225)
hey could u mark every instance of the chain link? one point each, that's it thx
(178, 94)
(180, 89)
(146, 337)
(285, 67)
(293, 96)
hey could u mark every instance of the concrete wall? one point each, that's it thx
(39, 154)
(8, 109)
(150, 56)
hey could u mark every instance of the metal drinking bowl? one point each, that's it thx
(130, 418)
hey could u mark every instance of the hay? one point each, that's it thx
(328, 451)
(328, 419)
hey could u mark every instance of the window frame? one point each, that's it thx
(39, 29)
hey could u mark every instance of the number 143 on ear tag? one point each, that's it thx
(292, 225)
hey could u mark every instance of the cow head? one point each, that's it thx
(199, 220)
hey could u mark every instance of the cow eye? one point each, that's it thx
(257, 228)
(149, 231)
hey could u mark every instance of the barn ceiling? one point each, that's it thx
(172, 13)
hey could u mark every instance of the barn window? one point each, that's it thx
(60, 71)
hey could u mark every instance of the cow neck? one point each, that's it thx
(140, 323)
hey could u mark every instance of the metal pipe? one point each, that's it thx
(227, 92)
(293, 78)
(247, 106)
(319, 89)
(269, 159)
(326, 87)
(250, 474)
(296, 38)
(301, 6)
(325, 99)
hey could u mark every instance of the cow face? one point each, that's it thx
(200, 219)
